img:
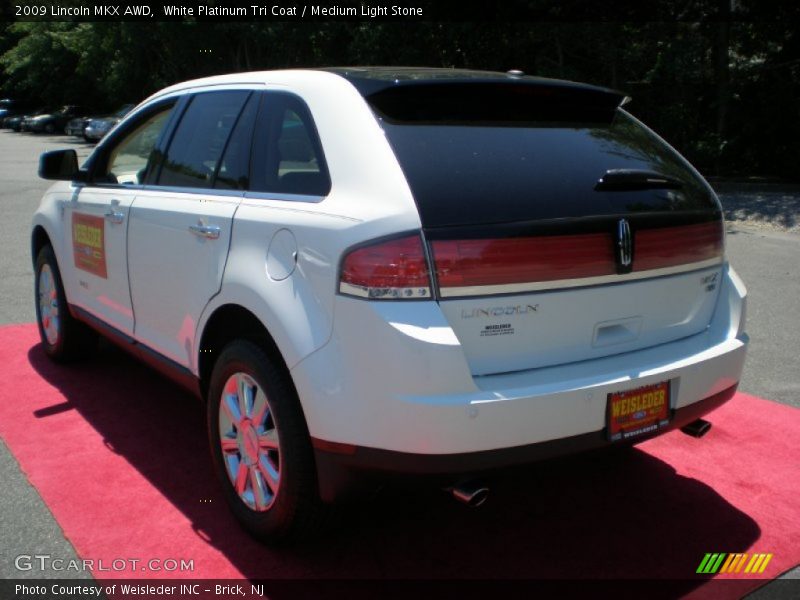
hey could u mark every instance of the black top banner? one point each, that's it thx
(510, 11)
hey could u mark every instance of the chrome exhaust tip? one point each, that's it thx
(697, 428)
(471, 493)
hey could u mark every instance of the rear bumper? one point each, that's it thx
(341, 466)
(392, 391)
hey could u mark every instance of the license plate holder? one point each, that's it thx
(638, 412)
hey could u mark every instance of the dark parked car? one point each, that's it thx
(13, 109)
(76, 126)
(52, 122)
(7, 106)
(97, 127)
(16, 122)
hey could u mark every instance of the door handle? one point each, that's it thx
(114, 217)
(210, 232)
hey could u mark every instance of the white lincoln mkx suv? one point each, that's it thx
(377, 270)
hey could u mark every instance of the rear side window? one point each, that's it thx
(289, 159)
(233, 169)
(200, 139)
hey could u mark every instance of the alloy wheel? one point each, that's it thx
(248, 437)
(48, 305)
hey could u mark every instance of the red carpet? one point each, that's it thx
(119, 456)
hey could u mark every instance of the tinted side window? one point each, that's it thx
(199, 141)
(291, 160)
(128, 159)
(233, 171)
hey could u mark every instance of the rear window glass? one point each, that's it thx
(466, 171)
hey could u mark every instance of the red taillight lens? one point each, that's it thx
(673, 246)
(502, 262)
(391, 270)
(509, 265)
(398, 269)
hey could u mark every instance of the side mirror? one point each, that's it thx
(61, 165)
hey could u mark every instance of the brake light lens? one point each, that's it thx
(390, 270)
(502, 262)
(397, 269)
(673, 246)
(510, 265)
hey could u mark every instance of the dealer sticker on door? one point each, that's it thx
(633, 413)
(88, 244)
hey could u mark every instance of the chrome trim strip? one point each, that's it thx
(108, 186)
(539, 286)
(284, 197)
(204, 191)
(195, 191)
(213, 192)
(359, 291)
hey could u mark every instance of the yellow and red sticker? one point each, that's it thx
(88, 244)
(637, 412)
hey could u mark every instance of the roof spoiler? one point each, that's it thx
(481, 101)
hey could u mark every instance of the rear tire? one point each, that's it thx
(64, 338)
(260, 445)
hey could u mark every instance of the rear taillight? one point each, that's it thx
(464, 264)
(389, 270)
(674, 246)
(398, 268)
(512, 265)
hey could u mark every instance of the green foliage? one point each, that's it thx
(724, 92)
(39, 53)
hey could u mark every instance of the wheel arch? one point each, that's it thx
(225, 324)
(39, 239)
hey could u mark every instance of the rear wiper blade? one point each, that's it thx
(635, 179)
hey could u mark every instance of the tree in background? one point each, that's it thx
(722, 86)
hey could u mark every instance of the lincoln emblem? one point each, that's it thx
(624, 245)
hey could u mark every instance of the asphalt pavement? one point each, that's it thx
(763, 244)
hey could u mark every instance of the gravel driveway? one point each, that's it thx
(763, 206)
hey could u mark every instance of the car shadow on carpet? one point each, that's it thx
(605, 515)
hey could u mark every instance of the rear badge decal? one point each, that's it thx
(499, 311)
(710, 282)
(502, 329)
(88, 244)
